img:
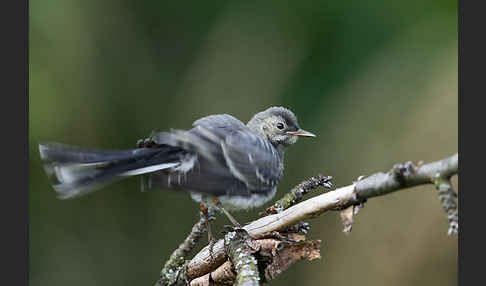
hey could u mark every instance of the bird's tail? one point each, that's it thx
(76, 171)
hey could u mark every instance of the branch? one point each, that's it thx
(448, 198)
(348, 199)
(274, 256)
(173, 270)
(297, 193)
(240, 253)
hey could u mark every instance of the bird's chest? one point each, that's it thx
(238, 202)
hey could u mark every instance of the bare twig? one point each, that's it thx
(223, 275)
(401, 176)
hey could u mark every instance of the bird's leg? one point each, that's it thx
(208, 217)
(218, 204)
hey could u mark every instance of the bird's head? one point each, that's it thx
(279, 125)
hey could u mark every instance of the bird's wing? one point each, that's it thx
(211, 173)
(252, 159)
(222, 124)
(205, 138)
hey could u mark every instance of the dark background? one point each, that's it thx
(376, 80)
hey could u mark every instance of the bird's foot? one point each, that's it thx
(300, 227)
(237, 229)
(285, 237)
(146, 143)
(229, 228)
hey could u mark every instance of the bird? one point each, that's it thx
(221, 161)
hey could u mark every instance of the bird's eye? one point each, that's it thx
(280, 125)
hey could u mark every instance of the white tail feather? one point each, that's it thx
(149, 169)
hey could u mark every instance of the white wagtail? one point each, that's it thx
(219, 161)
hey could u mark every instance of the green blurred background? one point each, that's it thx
(376, 80)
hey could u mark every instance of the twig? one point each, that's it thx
(448, 198)
(401, 176)
(173, 271)
(297, 193)
(223, 275)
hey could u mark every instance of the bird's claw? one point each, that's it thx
(229, 228)
(146, 143)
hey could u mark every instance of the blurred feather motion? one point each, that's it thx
(241, 165)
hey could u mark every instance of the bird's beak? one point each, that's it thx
(301, 133)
